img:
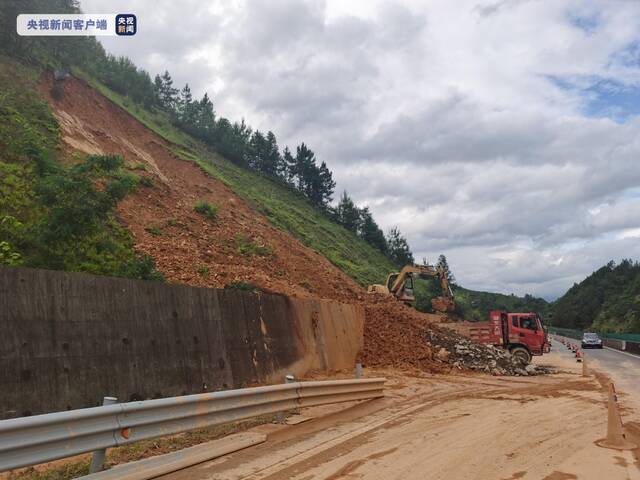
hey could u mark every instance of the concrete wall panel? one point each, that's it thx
(69, 339)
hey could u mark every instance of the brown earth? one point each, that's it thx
(161, 218)
(445, 427)
(396, 335)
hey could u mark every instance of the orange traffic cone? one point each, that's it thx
(615, 436)
(585, 372)
(578, 356)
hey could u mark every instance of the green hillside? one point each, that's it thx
(606, 301)
(51, 213)
(29, 137)
(302, 211)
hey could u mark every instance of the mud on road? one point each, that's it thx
(445, 427)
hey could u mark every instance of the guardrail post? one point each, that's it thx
(280, 416)
(358, 370)
(98, 456)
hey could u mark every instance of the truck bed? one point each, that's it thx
(480, 332)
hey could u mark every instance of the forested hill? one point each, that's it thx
(608, 300)
(474, 306)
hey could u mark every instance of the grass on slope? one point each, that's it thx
(52, 215)
(291, 213)
(286, 209)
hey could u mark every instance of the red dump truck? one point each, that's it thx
(520, 333)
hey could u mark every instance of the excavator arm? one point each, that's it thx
(396, 285)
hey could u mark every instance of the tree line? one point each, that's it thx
(241, 144)
(298, 169)
(360, 221)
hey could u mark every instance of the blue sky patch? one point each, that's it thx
(587, 23)
(608, 98)
(602, 97)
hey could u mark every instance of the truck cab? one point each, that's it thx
(521, 333)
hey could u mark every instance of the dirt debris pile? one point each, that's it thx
(463, 353)
(394, 336)
(398, 336)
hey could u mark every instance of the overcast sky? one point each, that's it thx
(501, 133)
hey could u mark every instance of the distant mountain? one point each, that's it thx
(608, 300)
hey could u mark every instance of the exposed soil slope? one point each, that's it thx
(187, 247)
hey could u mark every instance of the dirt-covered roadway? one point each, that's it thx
(447, 427)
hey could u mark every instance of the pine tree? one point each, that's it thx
(272, 159)
(185, 105)
(288, 166)
(442, 262)
(206, 117)
(371, 233)
(305, 166)
(168, 94)
(326, 186)
(398, 248)
(348, 214)
(157, 88)
(257, 151)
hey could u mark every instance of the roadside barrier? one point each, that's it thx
(615, 438)
(42, 438)
(627, 342)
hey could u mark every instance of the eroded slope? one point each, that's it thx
(238, 246)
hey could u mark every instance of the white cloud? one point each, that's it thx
(461, 122)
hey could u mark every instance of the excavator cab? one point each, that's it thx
(405, 292)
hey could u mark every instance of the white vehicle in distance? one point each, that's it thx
(591, 340)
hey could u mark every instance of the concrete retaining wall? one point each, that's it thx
(69, 339)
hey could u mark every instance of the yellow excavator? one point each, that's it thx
(400, 285)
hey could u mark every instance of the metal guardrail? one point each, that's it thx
(42, 438)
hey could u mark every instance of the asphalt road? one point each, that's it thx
(622, 367)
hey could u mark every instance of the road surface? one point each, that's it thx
(461, 427)
(622, 367)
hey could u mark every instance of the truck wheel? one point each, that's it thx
(522, 353)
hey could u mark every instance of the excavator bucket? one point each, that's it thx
(443, 304)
